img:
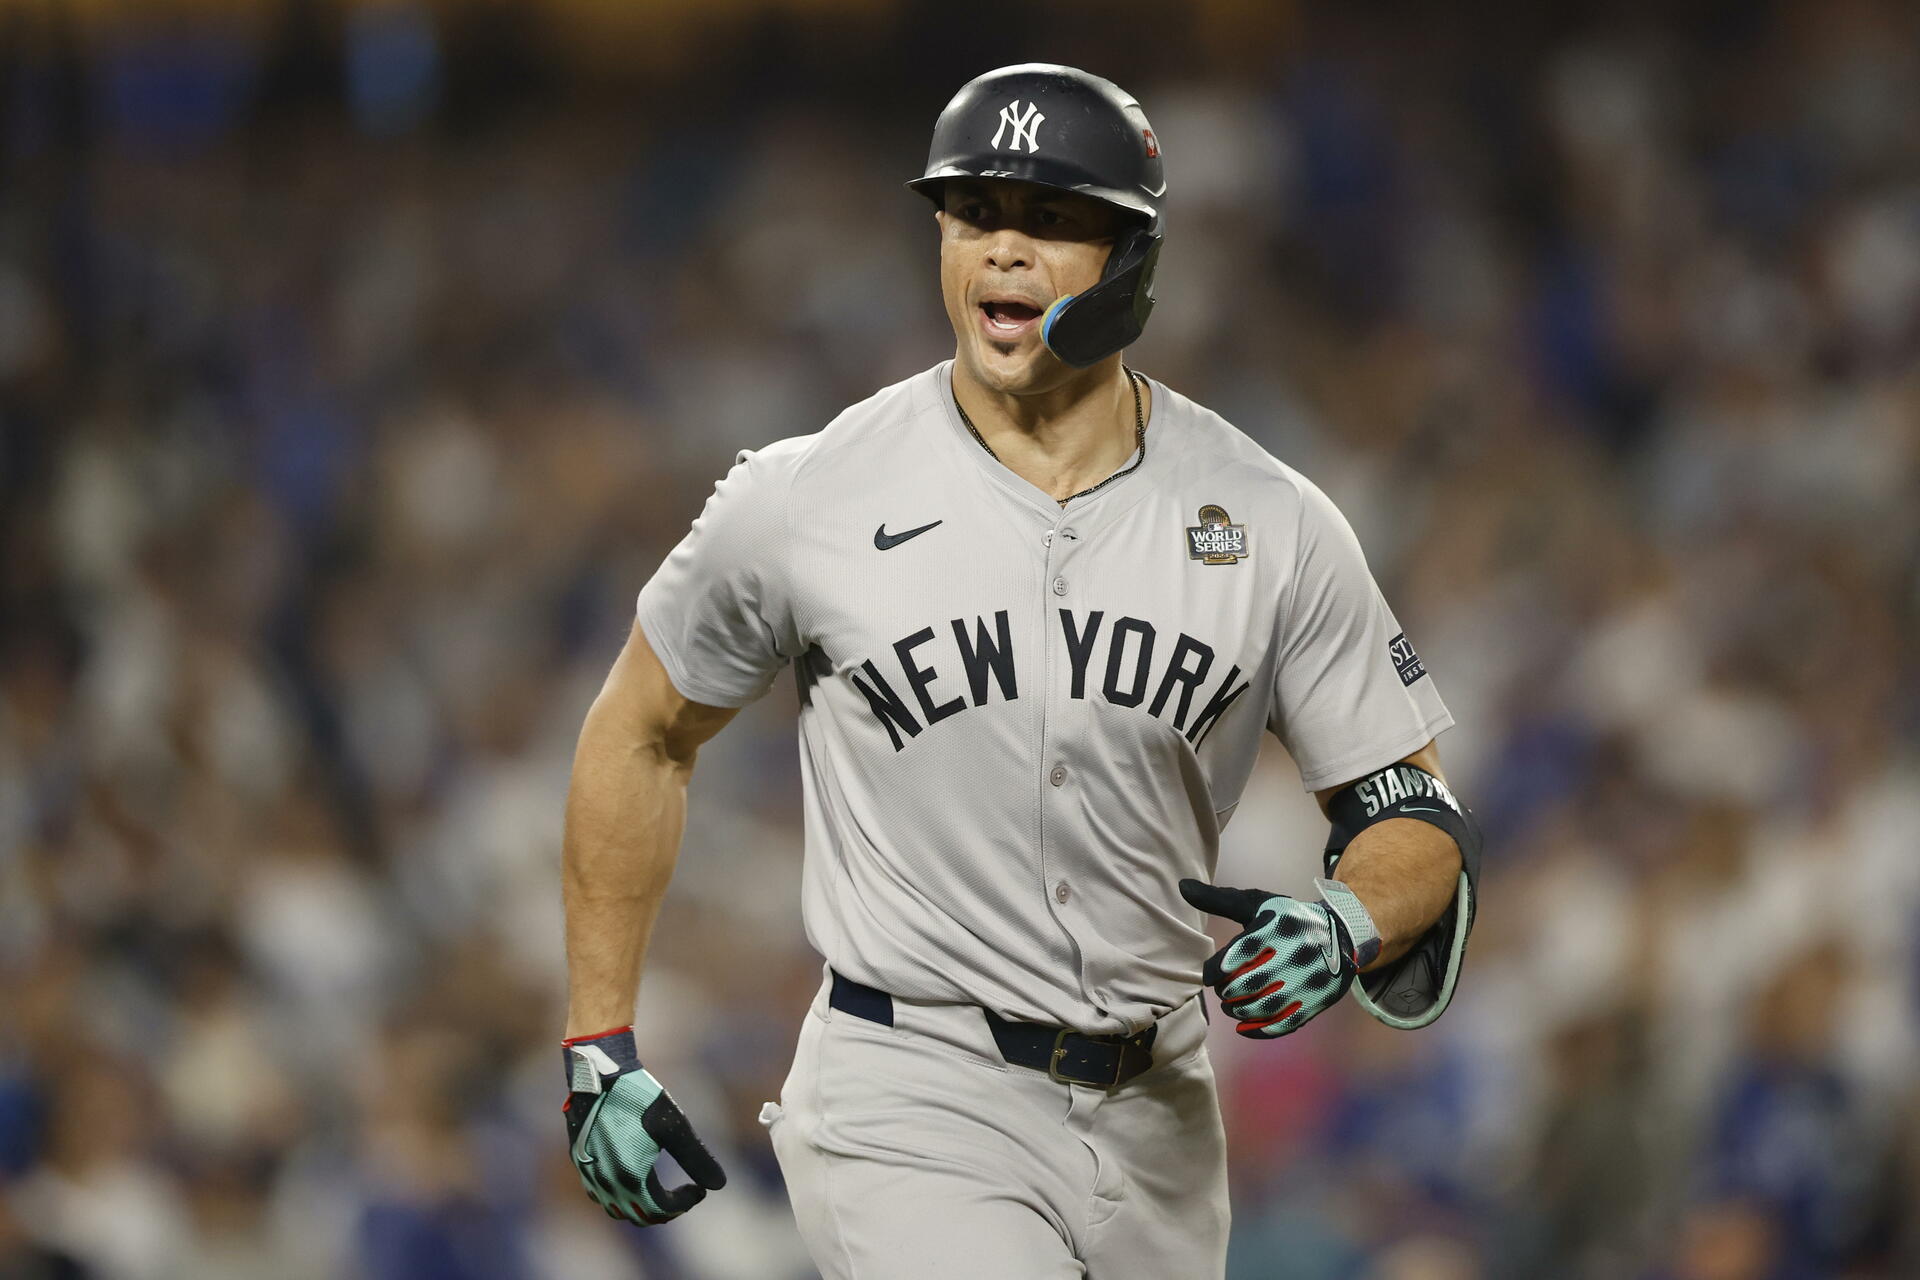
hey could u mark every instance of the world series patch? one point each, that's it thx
(1405, 660)
(1216, 539)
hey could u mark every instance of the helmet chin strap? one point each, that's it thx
(1083, 329)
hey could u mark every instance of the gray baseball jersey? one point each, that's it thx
(1022, 724)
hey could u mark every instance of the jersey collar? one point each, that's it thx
(1018, 486)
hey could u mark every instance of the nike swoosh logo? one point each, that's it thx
(580, 1155)
(884, 541)
(1329, 956)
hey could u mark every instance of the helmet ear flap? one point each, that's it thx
(1083, 329)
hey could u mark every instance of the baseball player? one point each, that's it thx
(1039, 608)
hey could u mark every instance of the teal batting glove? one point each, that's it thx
(1291, 961)
(619, 1120)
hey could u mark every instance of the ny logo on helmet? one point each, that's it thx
(1024, 126)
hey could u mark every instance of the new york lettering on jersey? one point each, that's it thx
(1132, 663)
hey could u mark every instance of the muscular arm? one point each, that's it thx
(626, 808)
(1404, 870)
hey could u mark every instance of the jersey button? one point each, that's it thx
(1061, 892)
(1057, 775)
(1059, 586)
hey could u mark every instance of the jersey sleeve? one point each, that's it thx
(718, 610)
(1349, 693)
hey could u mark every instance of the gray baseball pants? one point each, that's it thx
(915, 1152)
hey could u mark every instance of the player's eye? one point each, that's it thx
(970, 211)
(1049, 217)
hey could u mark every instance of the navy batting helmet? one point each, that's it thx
(1060, 127)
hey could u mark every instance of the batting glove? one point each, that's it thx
(620, 1119)
(1291, 960)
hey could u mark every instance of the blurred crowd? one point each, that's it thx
(357, 366)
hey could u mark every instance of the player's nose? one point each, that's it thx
(1007, 249)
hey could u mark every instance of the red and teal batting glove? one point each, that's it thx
(1292, 960)
(619, 1120)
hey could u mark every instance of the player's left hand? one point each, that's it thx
(1291, 960)
(619, 1120)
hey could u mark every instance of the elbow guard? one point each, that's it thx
(1415, 989)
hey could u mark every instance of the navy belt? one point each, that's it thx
(1071, 1057)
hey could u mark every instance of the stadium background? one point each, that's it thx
(358, 363)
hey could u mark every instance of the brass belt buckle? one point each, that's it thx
(1053, 1062)
(1060, 1051)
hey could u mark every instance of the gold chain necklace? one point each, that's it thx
(1139, 439)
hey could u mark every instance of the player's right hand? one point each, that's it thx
(619, 1120)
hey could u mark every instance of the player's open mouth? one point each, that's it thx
(1005, 320)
